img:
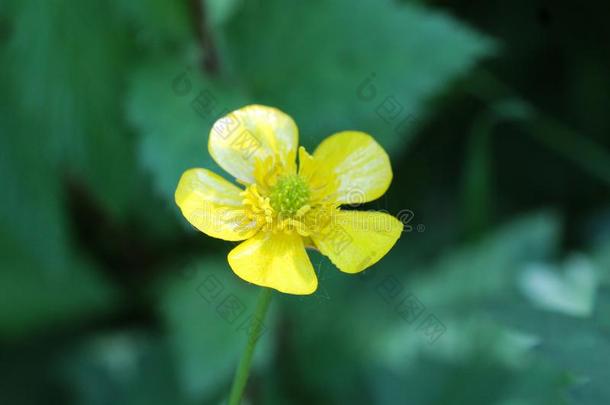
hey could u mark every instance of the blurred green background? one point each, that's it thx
(496, 118)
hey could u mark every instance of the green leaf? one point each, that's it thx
(370, 326)
(219, 11)
(433, 382)
(577, 345)
(122, 367)
(207, 311)
(36, 294)
(173, 107)
(475, 272)
(348, 64)
(571, 291)
(316, 78)
(44, 282)
(69, 76)
(158, 23)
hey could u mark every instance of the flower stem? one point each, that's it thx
(243, 369)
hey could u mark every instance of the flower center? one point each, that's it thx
(288, 195)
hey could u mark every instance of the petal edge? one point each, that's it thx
(355, 240)
(361, 166)
(213, 205)
(253, 132)
(275, 260)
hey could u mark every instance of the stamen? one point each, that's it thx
(289, 195)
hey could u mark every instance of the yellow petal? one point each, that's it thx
(360, 164)
(322, 185)
(254, 132)
(213, 205)
(355, 240)
(276, 260)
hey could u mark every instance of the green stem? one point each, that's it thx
(585, 152)
(477, 188)
(243, 369)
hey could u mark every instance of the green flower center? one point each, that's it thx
(289, 194)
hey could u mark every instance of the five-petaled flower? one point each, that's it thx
(284, 208)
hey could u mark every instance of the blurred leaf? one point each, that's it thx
(207, 312)
(435, 382)
(370, 320)
(466, 276)
(44, 282)
(174, 107)
(455, 289)
(34, 298)
(219, 11)
(572, 292)
(31, 208)
(28, 374)
(601, 256)
(123, 368)
(577, 345)
(348, 65)
(158, 23)
(574, 342)
(69, 80)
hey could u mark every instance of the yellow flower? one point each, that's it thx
(282, 208)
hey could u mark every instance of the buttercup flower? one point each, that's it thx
(284, 208)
